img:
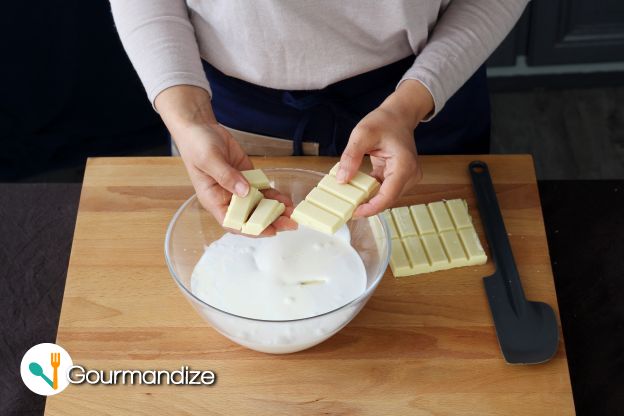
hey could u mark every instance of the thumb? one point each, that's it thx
(352, 156)
(226, 176)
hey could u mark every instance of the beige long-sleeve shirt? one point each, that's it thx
(309, 44)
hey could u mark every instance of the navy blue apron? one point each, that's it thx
(327, 116)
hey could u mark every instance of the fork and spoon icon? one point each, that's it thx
(55, 361)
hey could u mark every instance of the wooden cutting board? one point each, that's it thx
(422, 345)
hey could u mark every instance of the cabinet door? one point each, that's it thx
(576, 31)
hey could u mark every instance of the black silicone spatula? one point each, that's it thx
(527, 331)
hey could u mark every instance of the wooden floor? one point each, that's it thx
(572, 134)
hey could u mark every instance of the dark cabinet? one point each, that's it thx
(559, 32)
(576, 31)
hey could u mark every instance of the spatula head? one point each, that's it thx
(527, 332)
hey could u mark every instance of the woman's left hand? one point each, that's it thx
(387, 135)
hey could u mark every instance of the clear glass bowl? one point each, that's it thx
(192, 228)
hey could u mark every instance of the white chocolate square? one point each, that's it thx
(267, 211)
(394, 233)
(366, 183)
(399, 262)
(416, 254)
(440, 215)
(435, 252)
(256, 178)
(310, 215)
(378, 234)
(360, 180)
(472, 245)
(404, 222)
(343, 190)
(331, 203)
(459, 213)
(422, 219)
(454, 248)
(376, 228)
(239, 209)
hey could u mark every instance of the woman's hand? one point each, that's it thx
(387, 135)
(212, 157)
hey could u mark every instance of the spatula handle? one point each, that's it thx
(496, 233)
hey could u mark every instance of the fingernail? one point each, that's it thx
(241, 189)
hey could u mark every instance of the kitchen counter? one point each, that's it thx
(583, 223)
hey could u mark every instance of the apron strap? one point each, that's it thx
(309, 103)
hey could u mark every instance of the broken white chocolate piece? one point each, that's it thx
(239, 209)
(335, 200)
(267, 211)
(257, 178)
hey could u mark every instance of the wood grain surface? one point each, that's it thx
(423, 345)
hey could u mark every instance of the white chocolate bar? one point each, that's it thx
(443, 238)
(331, 204)
(267, 211)
(256, 178)
(239, 209)
(310, 215)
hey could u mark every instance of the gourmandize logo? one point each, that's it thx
(55, 361)
(47, 369)
(44, 369)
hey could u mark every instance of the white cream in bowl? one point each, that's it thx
(293, 275)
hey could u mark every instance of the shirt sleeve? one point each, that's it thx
(160, 42)
(463, 38)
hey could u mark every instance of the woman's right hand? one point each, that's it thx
(211, 155)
